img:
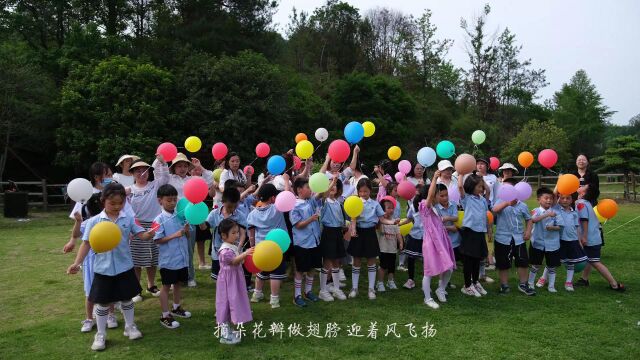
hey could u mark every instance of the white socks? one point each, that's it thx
(355, 276)
(371, 269)
(552, 277)
(532, 274)
(127, 312)
(426, 286)
(309, 284)
(323, 279)
(335, 276)
(444, 280)
(101, 318)
(298, 287)
(570, 271)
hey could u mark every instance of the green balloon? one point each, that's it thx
(216, 174)
(478, 137)
(280, 237)
(580, 266)
(445, 149)
(319, 183)
(181, 206)
(196, 214)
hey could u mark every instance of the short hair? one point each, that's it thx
(231, 183)
(441, 187)
(267, 191)
(113, 189)
(339, 187)
(511, 181)
(299, 183)
(470, 183)
(93, 206)
(544, 191)
(230, 195)
(364, 182)
(390, 186)
(226, 226)
(167, 190)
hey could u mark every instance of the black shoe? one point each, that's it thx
(581, 282)
(169, 322)
(180, 312)
(525, 289)
(619, 288)
(505, 289)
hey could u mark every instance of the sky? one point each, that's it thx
(559, 36)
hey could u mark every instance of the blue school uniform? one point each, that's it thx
(586, 213)
(247, 204)
(475, 212)
(264, 219)
(571, 223)
(174, 254)
(332, 214)
(509, 224)
(543, 239)
(396, 210)
(417, 230)
(370, 214)
(215, 218)
(450, 210)
(309, 236)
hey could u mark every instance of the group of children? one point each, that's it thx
(155, 233)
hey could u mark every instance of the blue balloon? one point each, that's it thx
(426, 156)
(353, 132)
(276, 165)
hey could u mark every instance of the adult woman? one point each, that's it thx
(125, 178)
(418, 175)
(232, 171)
(446, 175)
(506, 171)
(589, 183)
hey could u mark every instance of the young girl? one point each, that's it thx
(571, 252)
(114, 279)
(474, 229)
(389, 240)
(364, 244)
(413, 246)
(331, 242)
(232, 301)
(125, 178)
(448, 211)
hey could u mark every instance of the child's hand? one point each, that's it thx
(251, 188)
(249, 251)
(396, 221)
(356, 149)
(376, 169)
(583, 240)
(285, 177)
(196, 162)
(290, 152)
(127, 190)
(513, 202)
(551, 213)
(314, 217)
(77, 216)
(202, 226)
(527, 236)
(151, 233)
(437, 174)
(160, 158)
(73, 269)
(68, 247)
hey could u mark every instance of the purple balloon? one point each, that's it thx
(399, 177)
(454, 194)
(507, 193)
(524, 190)
(285, 201)
(404, 166)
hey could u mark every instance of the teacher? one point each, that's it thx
(589, 183)
(232, 171)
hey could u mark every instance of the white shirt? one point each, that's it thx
(229, 175)
(144, 199)
(124, 180)
(178, 182)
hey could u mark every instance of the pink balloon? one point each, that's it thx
(507, 192)
(406, 190)
(494, 163)
(262, 150)
(392, 199)
(285, 201)
(547, 158)
(465, 164)
(297, 163)
(168, 151)
(454, 194)
(523, 190)
(399, 177)
(219, 151)
(339, 150)
(196, 190)
(404, 166)
(248, 169)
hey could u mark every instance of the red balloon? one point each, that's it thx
(168, 151)
(262, 150)
(249, 265)
(547, 158)
(406, 190)
(297, 163)
(219, 151)
(248, 169)
(494, 163)
(196, 190)
(392, 199)
(339, 150)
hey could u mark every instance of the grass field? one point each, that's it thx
(42, 308)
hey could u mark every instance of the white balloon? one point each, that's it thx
(322, 134)
(80, 190)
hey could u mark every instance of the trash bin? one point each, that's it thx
(16, 204)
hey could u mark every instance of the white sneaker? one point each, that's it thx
(112, 321)
(431, 303)
(552, 289)
(99, 342)
(343, 277)
(480, 289)
(230, 339)
(324, 295)
(257, 296)
(353, 294)
(442, 296)
(137, 298)
(410, 284)
(471, 291)
(192, 283)
(401, 268)
(132, 332)
(204, 267)
(568, 286)
(87, 325)
(274, 302)
(372, 294)
(380, 287)
(341, 284)
(392, 285)
(338, 294)
(487, 279)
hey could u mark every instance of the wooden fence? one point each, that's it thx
(615, 186)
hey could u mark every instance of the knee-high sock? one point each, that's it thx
(323, 279)
(101, 318)
(355, 276)
(127, 312)
(444, 279)
(532, 274)
(570, 270)
(308, 284)
(371, 269)
(545, 273)
(552, 277)
(335, 276)
(426, 286)
(297, 287)
(403, 258)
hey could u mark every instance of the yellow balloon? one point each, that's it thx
(193, 144)
(267, 255)
(458, 223)
(369, 128)
(394, 153)
(406, 228)
(216, 174)
(353, 206)
(601, 218)
(104, 236)
(304, 149)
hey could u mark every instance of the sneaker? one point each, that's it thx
(257, 296)
(619, 288)
(192, 283)
(392, 285)
(154, 291)
(452, 286)
(341, 284)
(487, 279)
(372, 294)
(204, 267)
(137, 298)
(480, 289)
(552, 289)
(343, 277)
(132, 332)
(353, 294)
(504, 289)
(431, 303)
(526, 289)
(180, 312)
(442, 297)
(230, 339)
(410, 284)
(274, 302)
(169, 322)
(380, 287)
(311, 296)
(87, 325)
(99, 342)
(298, 301)
(471, 291)
(582, 282)
(325, 295)
(338, 294)
(490, 267)
(401, 268)
(568, 286)
(540, 283)
(112, 321)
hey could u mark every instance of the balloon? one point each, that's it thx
(426, 156)
(458, 223)
(399, 176)
(353, 132)
(445, 149)
(304, 149)
(249, 265)
(280, 237)
(478, 137)
(262, 150)
(392, 199)
(465, 164)
(406, 190)
(339, 150)
(168, 151)
(394, 153)
(568, 184)
(301, 137)
(216, 174)
(276, 165)
(454, 194)
(507, 193)
(267, 255)
(369, 128)
(79, 190)
(601, 218)
(494, 163)
(104, 236)
(490, 217)
(607, 208)
(285, 201)
(192, 144)
(406, 228)
(319, 183)
(525, 159)
(578, 267)
(248, 170)
(547, 158)
(523, 191)
(353, 206)
(219, 151)
(196, 189)
(196, 214)
(404, 166)
(322, 134)
(180, 207)
(297, 163)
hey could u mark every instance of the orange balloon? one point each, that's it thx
(525, 159)
(300, 137)
(568, 184)
(607, 208)
(490, 217)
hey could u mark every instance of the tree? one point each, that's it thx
(622, 155)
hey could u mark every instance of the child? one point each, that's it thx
(413, 246)
(306, 240)
(448, 211)
(510, 239)
(364, 244)
(232, 301)
(114, 278)
(474, 227)
(571, 252)
(331, 242)
(591, 240)
(171, 237)
(260, 221)
(389, 241)
(545, 242)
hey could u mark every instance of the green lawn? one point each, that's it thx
(42, 308)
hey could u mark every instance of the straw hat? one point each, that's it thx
(508, 166)
(181, 157)
(139, 163)
(125, 157)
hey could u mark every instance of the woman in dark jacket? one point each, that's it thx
(589, 182)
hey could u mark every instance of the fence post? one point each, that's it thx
(539, 181)
(633, 186)
(45, 203)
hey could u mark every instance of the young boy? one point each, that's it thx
(448, 211)
(389, 240)
(545, 243)
(173, 255)
(571, 251)
(306, 240)
(510, 237)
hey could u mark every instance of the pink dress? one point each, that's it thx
(232, 299)
(437, 252)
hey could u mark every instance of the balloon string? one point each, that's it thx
(252, 161)
(612, 230)
(172, 216)
(552, 171)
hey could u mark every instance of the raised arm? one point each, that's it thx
(325, 165)
(432, 189)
